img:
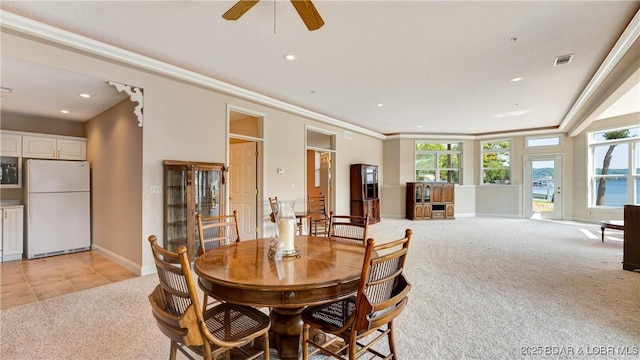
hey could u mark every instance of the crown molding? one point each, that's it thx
(39, 30)
(626, 40)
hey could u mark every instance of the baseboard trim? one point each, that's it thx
(124, 262)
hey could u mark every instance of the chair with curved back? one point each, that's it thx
(366, 318)
(215, 231)
(349, 227)
(319, 220)
(274, 209)
(221, 329)
(273, 202)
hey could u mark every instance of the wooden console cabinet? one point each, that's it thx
(430, 200)
(364, 192)
(631, 257)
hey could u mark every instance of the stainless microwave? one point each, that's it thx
(10, 172)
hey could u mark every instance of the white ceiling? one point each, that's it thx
(439, 67)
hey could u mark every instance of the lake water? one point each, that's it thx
(616, 193)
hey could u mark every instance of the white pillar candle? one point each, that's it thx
(287, 232)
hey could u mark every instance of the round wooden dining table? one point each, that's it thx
(324, 270)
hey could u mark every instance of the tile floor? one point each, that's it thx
(27, 281)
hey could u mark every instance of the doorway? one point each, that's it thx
(244, 176)
(543, 186)
(320, 168)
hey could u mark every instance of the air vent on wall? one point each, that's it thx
(563, 60)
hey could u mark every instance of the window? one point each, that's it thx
(614, 167)
(438, 161)
(543, 141)
(496, 162)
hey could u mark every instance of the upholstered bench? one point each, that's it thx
(611, 224)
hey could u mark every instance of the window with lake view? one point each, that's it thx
(614, 167)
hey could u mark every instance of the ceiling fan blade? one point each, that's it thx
(239, 9)
(308, 13)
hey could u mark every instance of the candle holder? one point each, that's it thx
(286, 227)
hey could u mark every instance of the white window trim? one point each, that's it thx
(481, 163)
(437, 152)
(558, 136)
(631, 176)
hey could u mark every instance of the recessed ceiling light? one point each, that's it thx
(85, 95)
(419, 126)
(65, 111)
(516, 79)
(380, 105)
(290, 57)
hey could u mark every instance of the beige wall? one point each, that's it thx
(114, 150)
(43, 125)
(399, 168)
(188, 122)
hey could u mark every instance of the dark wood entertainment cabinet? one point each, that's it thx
(430, 200)
(631, 257)
(364, 191)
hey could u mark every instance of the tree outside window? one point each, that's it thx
(615, 174)
(438, 161)
(496, 162)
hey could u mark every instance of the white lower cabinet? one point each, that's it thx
(12, 232)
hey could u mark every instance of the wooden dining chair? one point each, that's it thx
(319, 220)
(214, 231)
(349, 227)
(366, 318)
(273, 202)
(219, 330)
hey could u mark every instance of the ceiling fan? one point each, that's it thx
(305, 9)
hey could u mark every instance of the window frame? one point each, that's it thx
(483, 152)
(438, 153)
(632, 176)
(542, 137)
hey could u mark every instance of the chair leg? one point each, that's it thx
(204, 302)
(265, 349)
(305, 344)
(392, 342)
(353, 346)
(173, 350)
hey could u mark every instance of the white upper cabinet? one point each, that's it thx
(10, 145)
(39, 147)
(54, 148)
(72, 149)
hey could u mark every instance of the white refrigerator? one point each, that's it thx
(57, 207)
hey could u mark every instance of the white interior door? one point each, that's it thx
(243, 187)
(543, 186)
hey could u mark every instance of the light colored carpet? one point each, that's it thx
(483, 288)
